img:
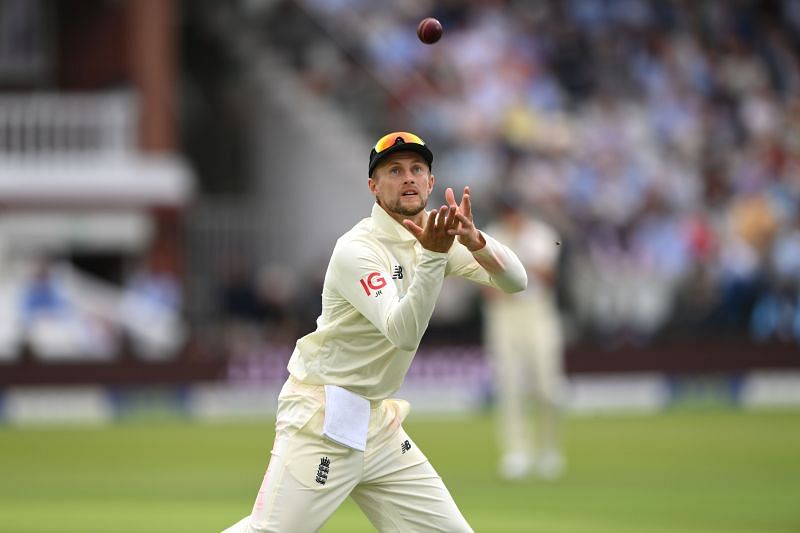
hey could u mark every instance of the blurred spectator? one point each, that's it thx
(43, 296)
(777, 311)
(238, 298)
(260, 305)
(150, 312)
(275, 285)
(57, 325)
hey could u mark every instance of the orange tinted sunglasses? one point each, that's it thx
(391, 139)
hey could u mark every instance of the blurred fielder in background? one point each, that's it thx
(524, 339)
(337, 433)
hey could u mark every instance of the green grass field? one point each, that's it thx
(680, 471)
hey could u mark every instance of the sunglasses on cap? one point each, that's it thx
(396, 142)
(391, 139)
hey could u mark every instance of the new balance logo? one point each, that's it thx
(405, 446)
(323, 470)
(397, 272)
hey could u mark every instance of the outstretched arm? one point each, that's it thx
(363, 279)
(505, 270)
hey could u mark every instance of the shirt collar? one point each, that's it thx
(388, 225)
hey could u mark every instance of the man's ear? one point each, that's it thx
(372, 186)
(431, 181)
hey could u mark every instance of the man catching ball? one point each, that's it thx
(338, 433)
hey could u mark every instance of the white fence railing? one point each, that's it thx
(49, 124)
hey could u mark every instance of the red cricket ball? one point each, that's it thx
(429, 30)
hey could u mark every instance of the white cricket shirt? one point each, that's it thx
(377, 299)
(535, 245)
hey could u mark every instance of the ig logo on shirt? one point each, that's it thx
(373, 282)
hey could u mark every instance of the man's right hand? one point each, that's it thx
(436, 234)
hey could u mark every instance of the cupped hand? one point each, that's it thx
(436, 236)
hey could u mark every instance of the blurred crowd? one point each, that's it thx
(55, 312)
(661, 139)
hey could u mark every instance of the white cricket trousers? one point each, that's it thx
(309, 476)
(525, 343)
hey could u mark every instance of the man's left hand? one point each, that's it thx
(467, 233)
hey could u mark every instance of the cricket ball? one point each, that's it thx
(429, 30)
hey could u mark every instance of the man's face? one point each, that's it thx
(402, 183)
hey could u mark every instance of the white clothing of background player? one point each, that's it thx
(524, 340)
(338, 433)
